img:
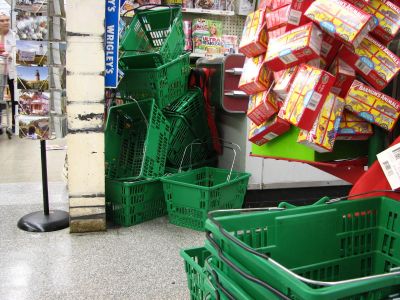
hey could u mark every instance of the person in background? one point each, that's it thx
(8, 45)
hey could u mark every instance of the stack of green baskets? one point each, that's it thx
(136, 145)
(330, 250)
(152, 58)
(189, 127)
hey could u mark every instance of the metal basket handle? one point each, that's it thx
(228, 178)
(241, 272)
(393, 271)
(217, 282)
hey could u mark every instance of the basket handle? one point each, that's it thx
(214, 275)
(241, 272)
(198, 142)
(148, 7)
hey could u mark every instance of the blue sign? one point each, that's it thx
(111, 43)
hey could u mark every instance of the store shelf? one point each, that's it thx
(349, 170)
(208, 11)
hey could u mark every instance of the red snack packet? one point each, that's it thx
(268, 130)
(277, 18)
(345, 76)
(254, 38)
(353, 128)
(373, 61)
(386, 17)
(294, 47)
(342, 20)
(262, 106)
(255, 77)
(306, 97)
(296, 13)
(372, 105)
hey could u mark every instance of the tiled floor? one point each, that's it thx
(140, 262)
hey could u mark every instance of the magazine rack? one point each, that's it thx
(46, 220)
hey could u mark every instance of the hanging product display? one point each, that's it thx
(40, 84)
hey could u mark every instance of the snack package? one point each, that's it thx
(306, 96)
(386, 17)
(294, 47)
(322, 136)
(230, 43)
(329, 48)
(254, 37)
(206, 36)
(244, 7)
(353, 128)
(372, 105)
(187, 30)
(296, 13)
(395, 2)
(284, 81)
(373, 61)
(276, 32)
(271, 5)
(342, 20)
(262, 106)
(345, 76)
(277, 18)
(268, 130)
(255, 76)
(208, 4)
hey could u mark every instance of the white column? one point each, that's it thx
(85, 92)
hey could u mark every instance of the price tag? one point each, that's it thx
(390, 163)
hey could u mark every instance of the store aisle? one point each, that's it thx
(140, 262)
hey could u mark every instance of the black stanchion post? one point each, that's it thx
(46, 220)
(44, 177)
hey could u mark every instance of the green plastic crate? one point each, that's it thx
(153, 38)
(182, 136)
(323, 242)
(194, 266)
(136, 141)
(133, 202)
(220, 286)
(191, 107)
(192, 194)
(165, 83)
(201, 283)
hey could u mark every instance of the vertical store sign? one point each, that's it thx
(111, 43)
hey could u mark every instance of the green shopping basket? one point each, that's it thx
(154, 38)
(134, 202)
(136, 141)
(191, 107)
(207, 282)
(165, 83)
(329, 250)
(191, 195)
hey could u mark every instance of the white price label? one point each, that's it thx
(363, 67)
(314, 101)
(270, 136)
(294, 17)
(288, 58)
(390, 163)
(325, 49)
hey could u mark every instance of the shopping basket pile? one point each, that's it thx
(328, 250)
(137, 136)
(150, 134)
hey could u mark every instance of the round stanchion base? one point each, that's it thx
(39, 222)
